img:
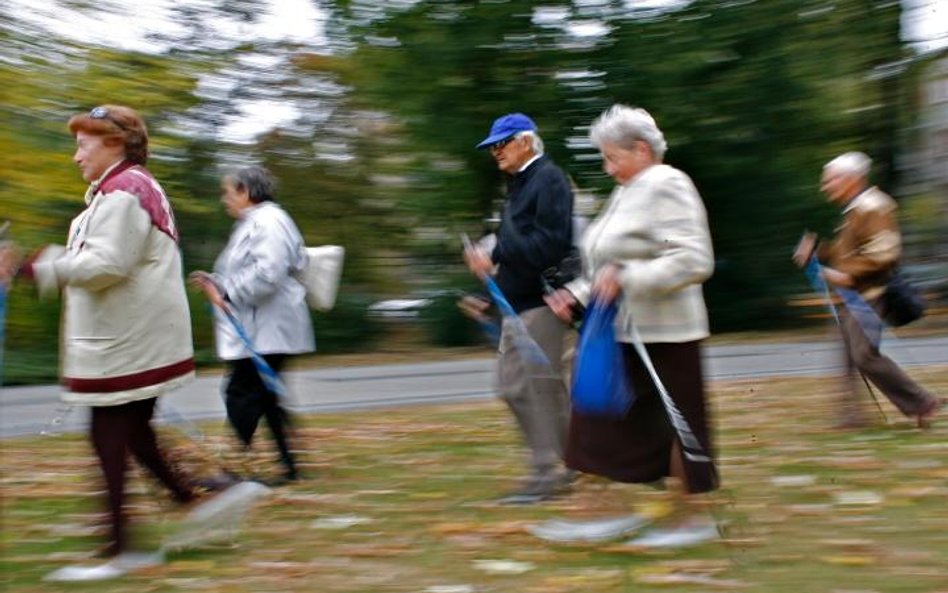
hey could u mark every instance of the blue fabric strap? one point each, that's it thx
(269, 377)
(862, 312)
(530, 351)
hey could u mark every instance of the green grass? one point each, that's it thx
(856, 511)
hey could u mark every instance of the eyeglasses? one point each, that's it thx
(103, 113)
(498, 146)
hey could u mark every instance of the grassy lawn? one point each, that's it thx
(401, 500)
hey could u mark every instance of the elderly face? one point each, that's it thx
(235, 199)
(512, 153)
(94, 154)
(839, 186)
(623, 164)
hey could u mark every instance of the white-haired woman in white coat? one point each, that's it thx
(649, 250)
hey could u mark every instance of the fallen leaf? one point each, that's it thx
(503, 566)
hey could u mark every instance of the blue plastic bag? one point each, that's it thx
(601, 386)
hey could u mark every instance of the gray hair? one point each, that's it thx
(850, 163)
(624, 126)
(536, 143)
(259, 183)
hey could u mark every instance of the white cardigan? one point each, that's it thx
(257, 271)
(655, 227)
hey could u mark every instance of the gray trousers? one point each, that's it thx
(536, 393)
(862, 357)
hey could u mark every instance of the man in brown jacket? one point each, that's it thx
(862, 256)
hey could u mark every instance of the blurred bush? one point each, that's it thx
(31, 347)
(348, 327)
(445, 325)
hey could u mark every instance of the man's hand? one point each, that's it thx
(804, 249)
(474, 307)
(205, 282)
(478, 261)
(837, 278)
(561, 302)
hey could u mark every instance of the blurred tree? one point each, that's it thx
(753, 98)
(379, 153)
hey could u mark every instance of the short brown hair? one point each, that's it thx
(119, 122)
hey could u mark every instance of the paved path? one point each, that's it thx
(28, 410)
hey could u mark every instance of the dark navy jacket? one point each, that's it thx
(535, 233)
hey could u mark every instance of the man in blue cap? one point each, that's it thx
(535, 234)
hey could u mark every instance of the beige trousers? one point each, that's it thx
(535, 390)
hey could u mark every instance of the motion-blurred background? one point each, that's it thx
(368, 113)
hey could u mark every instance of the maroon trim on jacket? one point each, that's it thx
(136, 180)
(129, 382)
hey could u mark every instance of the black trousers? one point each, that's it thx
(117, 431)
(247, 400)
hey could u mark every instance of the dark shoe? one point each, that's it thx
(924, 419)
(282, 480)
(216, 483)
(536, 489)
(525, 498)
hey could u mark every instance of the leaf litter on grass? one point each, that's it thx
(402, 501)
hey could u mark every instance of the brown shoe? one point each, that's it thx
(925, 418)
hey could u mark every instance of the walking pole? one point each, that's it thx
(530, 351)
(690, 446)
(813, 271)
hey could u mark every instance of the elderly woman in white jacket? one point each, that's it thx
(255, 277)
(650, 248)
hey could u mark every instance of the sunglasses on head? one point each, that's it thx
(103, 113)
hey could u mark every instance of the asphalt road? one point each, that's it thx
(30, 410)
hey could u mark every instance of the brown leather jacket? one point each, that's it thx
(867, 244)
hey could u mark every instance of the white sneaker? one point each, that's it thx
(77, 574)
(229, 504)
(116, 567)
(678, 537)
(218, 518)
(127, 561)
(590, 531)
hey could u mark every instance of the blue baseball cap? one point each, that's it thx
(506, 126)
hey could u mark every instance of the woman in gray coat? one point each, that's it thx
(255, 279)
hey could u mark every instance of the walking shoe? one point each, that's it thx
(685, 535)
(77, 574)
(592, 530)
(127, 561)
(230, 504)
(218, 517)
(537, 489)
(282, 480)
(924, 419)
(116, 567)
(216, 483)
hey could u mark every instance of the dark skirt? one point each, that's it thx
(637, 448)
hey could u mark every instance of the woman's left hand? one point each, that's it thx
(204, 281)
(606, 287)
